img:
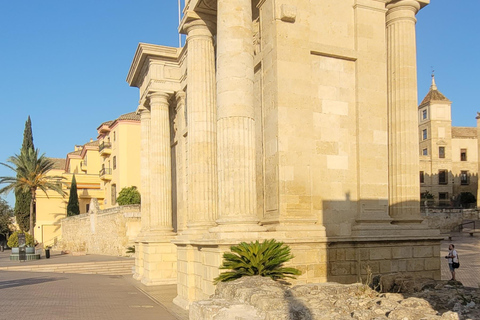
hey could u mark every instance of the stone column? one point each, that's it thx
(202, 116)
(181, 168)
(144, 167)
(160, 165)
(145, 191)
(404, 185)
(236, 122)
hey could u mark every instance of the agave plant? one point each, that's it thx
(265, 259)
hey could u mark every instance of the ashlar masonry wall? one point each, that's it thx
(107, 232)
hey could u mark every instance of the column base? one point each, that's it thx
(182, 303)
(293, 230)
(236, 231)
(159, 261)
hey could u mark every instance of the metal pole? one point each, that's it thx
(179, 21)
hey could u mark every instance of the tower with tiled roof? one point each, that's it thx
(448, 155)
(435, 137)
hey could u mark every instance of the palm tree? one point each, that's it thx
(31, 174)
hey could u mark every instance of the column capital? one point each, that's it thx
(159, 96)
(401, 10)
(180, 97)
(198, 24)
(144, 113)
(404, 9)
(395, 3)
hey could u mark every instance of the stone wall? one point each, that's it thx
(258, 298)
(448, 219)
(107, 232)
(332, 261)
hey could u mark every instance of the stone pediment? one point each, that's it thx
(441, 143)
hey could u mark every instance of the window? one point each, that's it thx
(441, 152)
(114, 162)
(87, 207)
(442, 177)
(443, 199)
(464, 178)
(424, 134)
(424, 114)
(114, 193)
(425, 152)
(463, 154)
(114, 136)
(422, 177)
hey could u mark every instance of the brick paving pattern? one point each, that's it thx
(31, 295)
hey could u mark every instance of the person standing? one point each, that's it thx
(452, 257)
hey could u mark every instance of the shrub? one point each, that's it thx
(129, 196)
(13, 239)
(265, 259)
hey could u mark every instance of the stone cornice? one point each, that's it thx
(145, 52)
(193, 19)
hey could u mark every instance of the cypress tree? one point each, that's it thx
(73, 207)
(22, 199)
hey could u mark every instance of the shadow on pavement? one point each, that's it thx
(26, 282)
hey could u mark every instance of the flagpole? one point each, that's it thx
(179, 21)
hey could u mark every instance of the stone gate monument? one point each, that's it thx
(286, 119)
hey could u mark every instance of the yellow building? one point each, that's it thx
(120, 151)
(448, 155)
(101, 167)
(84, 162)
(50, 209)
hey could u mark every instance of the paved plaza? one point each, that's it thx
(41, 295)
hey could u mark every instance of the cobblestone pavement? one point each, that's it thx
(468, 249)
(52, 296)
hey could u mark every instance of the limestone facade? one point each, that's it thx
(292, 120)
(448, 154)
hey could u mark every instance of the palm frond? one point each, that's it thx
(265, 259)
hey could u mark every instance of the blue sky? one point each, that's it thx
(64, 63)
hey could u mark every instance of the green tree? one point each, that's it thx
(13, 239)
(6, 214)
(31, 174)
(73, 207)
(129, 195)
(265, 259)
(23, 199)
(466, 198)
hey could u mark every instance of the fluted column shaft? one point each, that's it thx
(404, 188)
(236, 122)
(160, 164)
(202, 116)
(144, 167)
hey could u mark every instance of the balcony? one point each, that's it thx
(105, 149)
(106, 174)
(83, 165)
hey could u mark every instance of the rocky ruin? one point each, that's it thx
(258, 298)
